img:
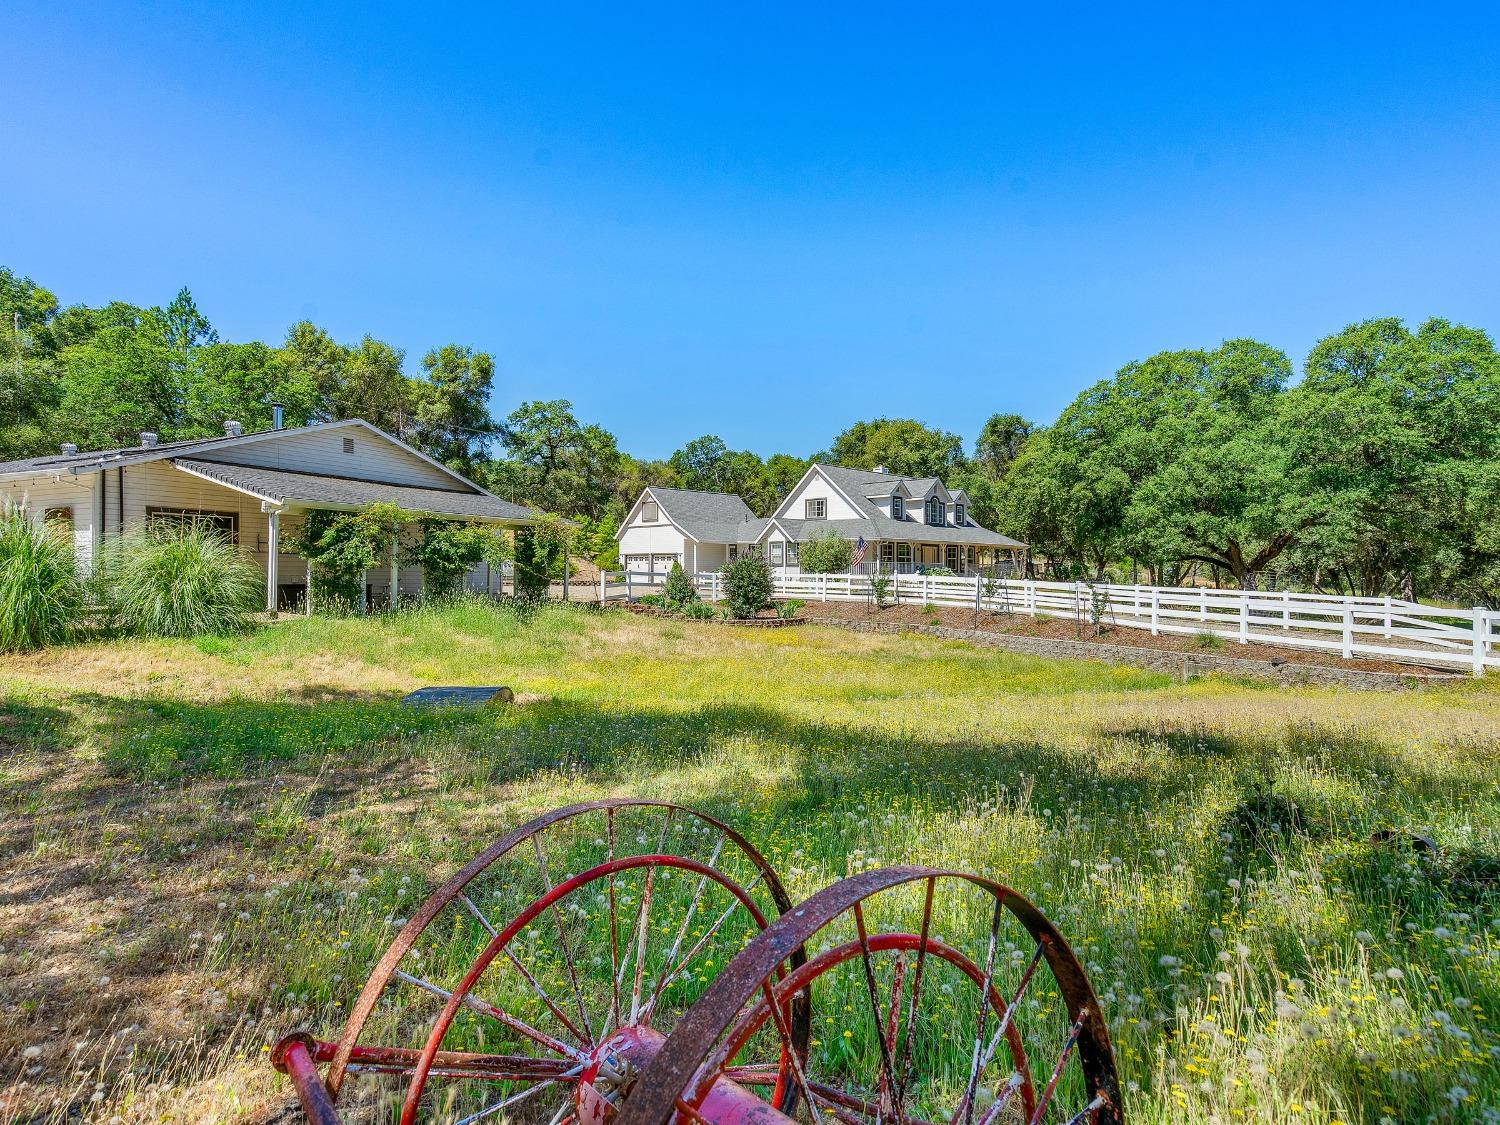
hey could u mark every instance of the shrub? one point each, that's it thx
(40, 593)
(447, 551)
(827, 553)
(880, 589)
(1208, 640)
(788, 609)
(535, 553)
(654, 600)
(747, 584)
(938, 571)
(678, 591)
(178, 582)
(699, 611)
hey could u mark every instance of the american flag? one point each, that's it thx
(859, 551)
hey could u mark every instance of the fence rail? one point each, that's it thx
(1386, 628)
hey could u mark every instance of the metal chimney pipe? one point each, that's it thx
(278, 416)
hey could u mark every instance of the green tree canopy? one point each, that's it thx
(899, 444)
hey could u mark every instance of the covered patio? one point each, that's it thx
(281, 498)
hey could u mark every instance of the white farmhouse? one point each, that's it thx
(908, 524)
(249, 486)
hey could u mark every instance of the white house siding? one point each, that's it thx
(322, 451)
(816, 487)
(156, 484)
(711, 556)
(78, 493)
(641, 542)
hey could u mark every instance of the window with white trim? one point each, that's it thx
(650, 512)
(935, 512)
(792, 553)
(226, 524)
(887, 555)
(960, 514)
(775, 552)
(898, 508)
(816, 509)
(903, 554)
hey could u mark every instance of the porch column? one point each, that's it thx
(395, 576)
(273, 559)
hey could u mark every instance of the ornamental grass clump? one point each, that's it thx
(41, 596)
(178, 582)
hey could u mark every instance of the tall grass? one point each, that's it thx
(178, 582)
(40, 592)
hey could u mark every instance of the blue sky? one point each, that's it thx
(764, 221)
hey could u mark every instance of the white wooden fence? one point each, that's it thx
(1386, 628)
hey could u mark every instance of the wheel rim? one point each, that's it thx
(906, 1060)
(546, 1017)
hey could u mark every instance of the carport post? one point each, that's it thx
(273, 559)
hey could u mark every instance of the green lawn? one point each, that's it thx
(185, 823)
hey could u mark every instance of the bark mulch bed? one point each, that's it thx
(1122, 636)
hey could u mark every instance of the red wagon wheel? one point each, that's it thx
(937, 996)
(518, 977)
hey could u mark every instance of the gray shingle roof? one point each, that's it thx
(712, 517)
(341, 492)
(91, 460)
(880, 527)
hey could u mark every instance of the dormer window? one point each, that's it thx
(650, 512)
(816, 509)
(898, 508)
(959, 514)
(935, 512)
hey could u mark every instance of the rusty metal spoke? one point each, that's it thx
(687, 920)
(903, 1070)
(1062, 1061)
(526, 973)
(965, 1111)
(562, 938)
(484, 1008)
(887, 1078)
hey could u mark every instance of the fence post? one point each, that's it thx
(976, 593)
(1481, 637)
(823, 585)
(1155, 612)
(1136, 591)
(1348, 632)
(601, 585)
(1244, 617)
(926, 588)
(1286, 611)
(1387, 617)
(1031, 598)
(1202, 603)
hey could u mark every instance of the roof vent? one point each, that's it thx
(233, 428)
(881, 469)
(69, 448)
(148, 440)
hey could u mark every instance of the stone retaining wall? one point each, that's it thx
(1182, 664)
